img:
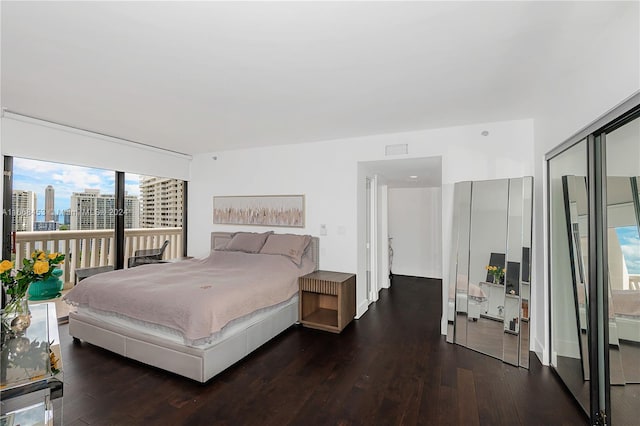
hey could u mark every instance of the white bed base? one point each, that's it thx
(192, 362)
(623, 328)
(473, 307)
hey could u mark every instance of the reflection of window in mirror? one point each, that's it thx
(578, 247)
(629, 242)
(526, 264)
(512, 279)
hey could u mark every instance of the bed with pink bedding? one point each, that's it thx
(194, 317)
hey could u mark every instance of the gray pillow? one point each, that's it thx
(289, 245)
(248, 242)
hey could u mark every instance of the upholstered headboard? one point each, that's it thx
(220, 238)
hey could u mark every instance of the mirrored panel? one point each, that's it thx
(459, 290)
(525, 270)
(492, 262)
(511, 321)
(623, 261)
(576, 216)
(568, 221)
(487, 257)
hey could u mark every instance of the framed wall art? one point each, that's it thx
(260, 210)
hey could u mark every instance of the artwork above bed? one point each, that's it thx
(260, 210)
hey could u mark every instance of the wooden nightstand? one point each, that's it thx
(327, 300)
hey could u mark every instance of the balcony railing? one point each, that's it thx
(84, 249)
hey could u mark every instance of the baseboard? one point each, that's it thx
(416, 276)
(540, 352)
(362, 309)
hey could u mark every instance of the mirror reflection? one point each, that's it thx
(491, 251)
(568, 267)
(624, 301)
(462, 301)
(577, 217)
(623, 261)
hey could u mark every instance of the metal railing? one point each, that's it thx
(84, 249)
(634, 282)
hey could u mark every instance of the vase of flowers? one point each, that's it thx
(39, 267)
(497, 272)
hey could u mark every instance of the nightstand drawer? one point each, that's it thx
(322, 287)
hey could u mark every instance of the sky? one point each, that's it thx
(32, 175)
(630, 243)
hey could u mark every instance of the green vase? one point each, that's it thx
(47, 289)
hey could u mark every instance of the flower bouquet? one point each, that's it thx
(497, 272)
(38, 267)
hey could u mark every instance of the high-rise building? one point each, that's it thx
(92, 210)
(161, 202)
(49, 207)
(67, 217)
(23, 205)
(45, 226)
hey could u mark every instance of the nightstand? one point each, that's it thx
(327, 300)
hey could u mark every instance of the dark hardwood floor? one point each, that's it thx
(390, 367)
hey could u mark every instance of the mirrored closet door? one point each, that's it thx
(594, 265)
(491, 262)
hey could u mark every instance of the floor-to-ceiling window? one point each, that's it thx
(161, 214)
(594, 265)
(62, 208)
(96, 217)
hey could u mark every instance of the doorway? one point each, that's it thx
(402, 220)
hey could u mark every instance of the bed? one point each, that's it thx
(624, 315)
(174, 316)
(470, 301)
(626, 308)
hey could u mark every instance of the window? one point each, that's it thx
(73, 209)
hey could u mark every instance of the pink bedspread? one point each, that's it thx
(473, 290)
(626, 302)
(196, 297)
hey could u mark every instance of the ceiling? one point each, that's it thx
(423, 172)
(208, 76)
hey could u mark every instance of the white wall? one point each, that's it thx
(34, 139)
(328, 174)
(601, 77)
(416, 228)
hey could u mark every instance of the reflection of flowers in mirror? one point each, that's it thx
(497, 272)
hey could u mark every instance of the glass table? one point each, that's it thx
(31, 378)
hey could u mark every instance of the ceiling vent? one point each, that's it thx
(398, 149)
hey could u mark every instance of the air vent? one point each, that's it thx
(398, 149)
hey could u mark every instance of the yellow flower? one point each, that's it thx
(53, 255)
(5, 266)
(40, 267)
(42, 256)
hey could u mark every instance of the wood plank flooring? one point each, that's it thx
(391, 367)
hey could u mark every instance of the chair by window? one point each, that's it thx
(143, 257)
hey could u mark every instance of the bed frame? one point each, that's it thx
(194, 363)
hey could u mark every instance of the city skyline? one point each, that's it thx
(34, 175)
